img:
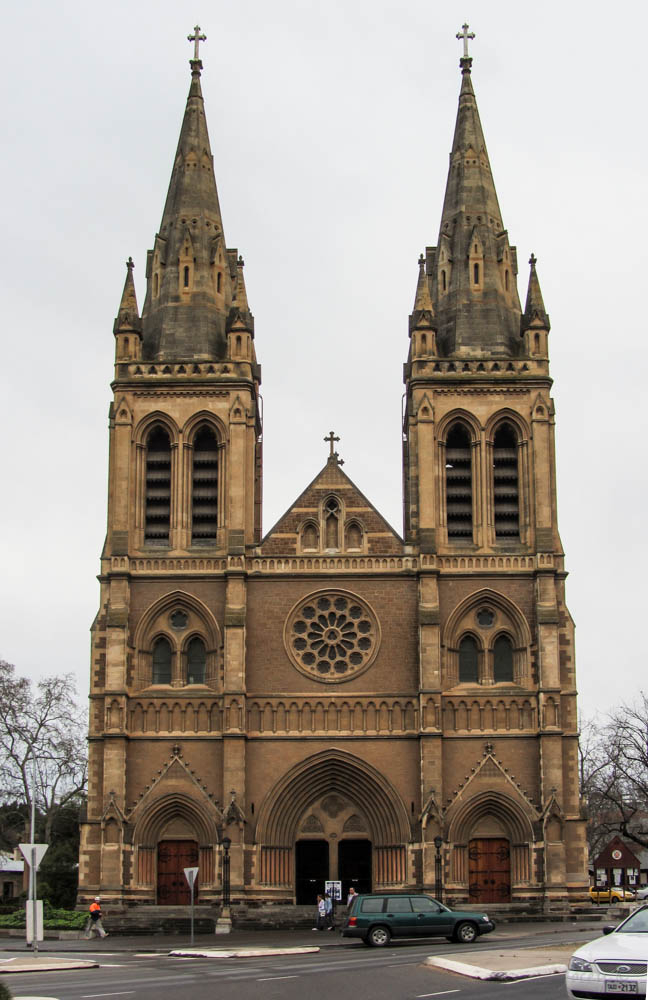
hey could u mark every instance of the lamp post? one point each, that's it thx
(227, 843)
(438, 889)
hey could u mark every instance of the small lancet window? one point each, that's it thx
(219, 281)
(506, 280)
(186, 278)
(156, 285)
(204, 498)
(443, 280)
(157, 502)
(468, 661)
(196, 660)
(475, 273)
(536, 342)
(162, 662)
(506, 500)
(353, 536)
(503, 660)
(459, 508)
(332, 523)
(310, 537)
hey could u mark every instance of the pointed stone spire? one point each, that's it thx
(189, 277)
(423, 311)
(127, 327)
(474, 267)
(239, 315)
(534, 310)
(128, 317)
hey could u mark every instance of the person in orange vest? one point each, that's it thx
(94, 920)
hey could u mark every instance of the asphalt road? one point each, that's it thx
(346, 972)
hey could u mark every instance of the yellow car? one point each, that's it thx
(605, 894)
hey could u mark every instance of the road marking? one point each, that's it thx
(529, 979)
(123, 993)
(441, 994)
(271, 979)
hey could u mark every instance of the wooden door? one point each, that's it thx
(489, 870)
(173, 857)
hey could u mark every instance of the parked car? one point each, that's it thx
(642, 892)
(376, 918)
(615, 963)
(610, 894)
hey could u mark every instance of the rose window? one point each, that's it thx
(332, 636)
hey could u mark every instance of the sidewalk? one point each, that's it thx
(554, 933)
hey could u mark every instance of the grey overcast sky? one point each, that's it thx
(331, 124)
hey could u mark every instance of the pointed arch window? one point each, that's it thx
(503, 660)
(468, 660)
(158, 487)
(353, 536)
(506, 501)
(204, 498)
(196, 661)
(459, 507)
(332, 523)
(162, 661)
(310, 537)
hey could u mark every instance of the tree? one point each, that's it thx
(46, 725)
(614, 775)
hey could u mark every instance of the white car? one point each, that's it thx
(613, 965)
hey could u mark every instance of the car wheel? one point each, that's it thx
(378, 937)
(465, 933)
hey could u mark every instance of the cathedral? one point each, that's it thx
(330, 700)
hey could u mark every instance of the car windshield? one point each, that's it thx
(637, 923)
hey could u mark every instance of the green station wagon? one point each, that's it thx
(378, 918)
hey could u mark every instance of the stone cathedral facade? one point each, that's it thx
(332, 696)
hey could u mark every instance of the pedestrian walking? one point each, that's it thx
(94, 920)
(352, 895)
(321, 914)
(328, 912)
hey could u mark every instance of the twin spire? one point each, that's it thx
(195, 287)
(472, 272)
(466, 289)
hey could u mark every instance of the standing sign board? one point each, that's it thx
(38, 851)
(334, 889)
(29, 913)
(190, 875)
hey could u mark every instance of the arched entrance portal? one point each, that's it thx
(173, 857)
(333, 817)
(489, 870)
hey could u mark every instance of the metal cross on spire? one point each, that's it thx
(331, 438)
(464, 35)
(197, 38)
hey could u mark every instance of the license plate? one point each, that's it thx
(619, 986)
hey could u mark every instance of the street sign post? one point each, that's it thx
(190, 875)
(334, 888)
(33, 855)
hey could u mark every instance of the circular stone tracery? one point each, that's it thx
(332, 636)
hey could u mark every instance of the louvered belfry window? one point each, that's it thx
(204, 503)
(458, 460)
(506, 499)
(468, 660)
(162, 661)
(196, 660)
(502, 659)
(158, 486)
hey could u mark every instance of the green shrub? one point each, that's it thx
(53, 919)
(5, 992)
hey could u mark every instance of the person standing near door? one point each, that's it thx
(328, 909)
(352, 895)
(321, 914)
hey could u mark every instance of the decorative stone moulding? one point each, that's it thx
(332, 636)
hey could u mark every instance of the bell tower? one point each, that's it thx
(480, 502)
(184, 497)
